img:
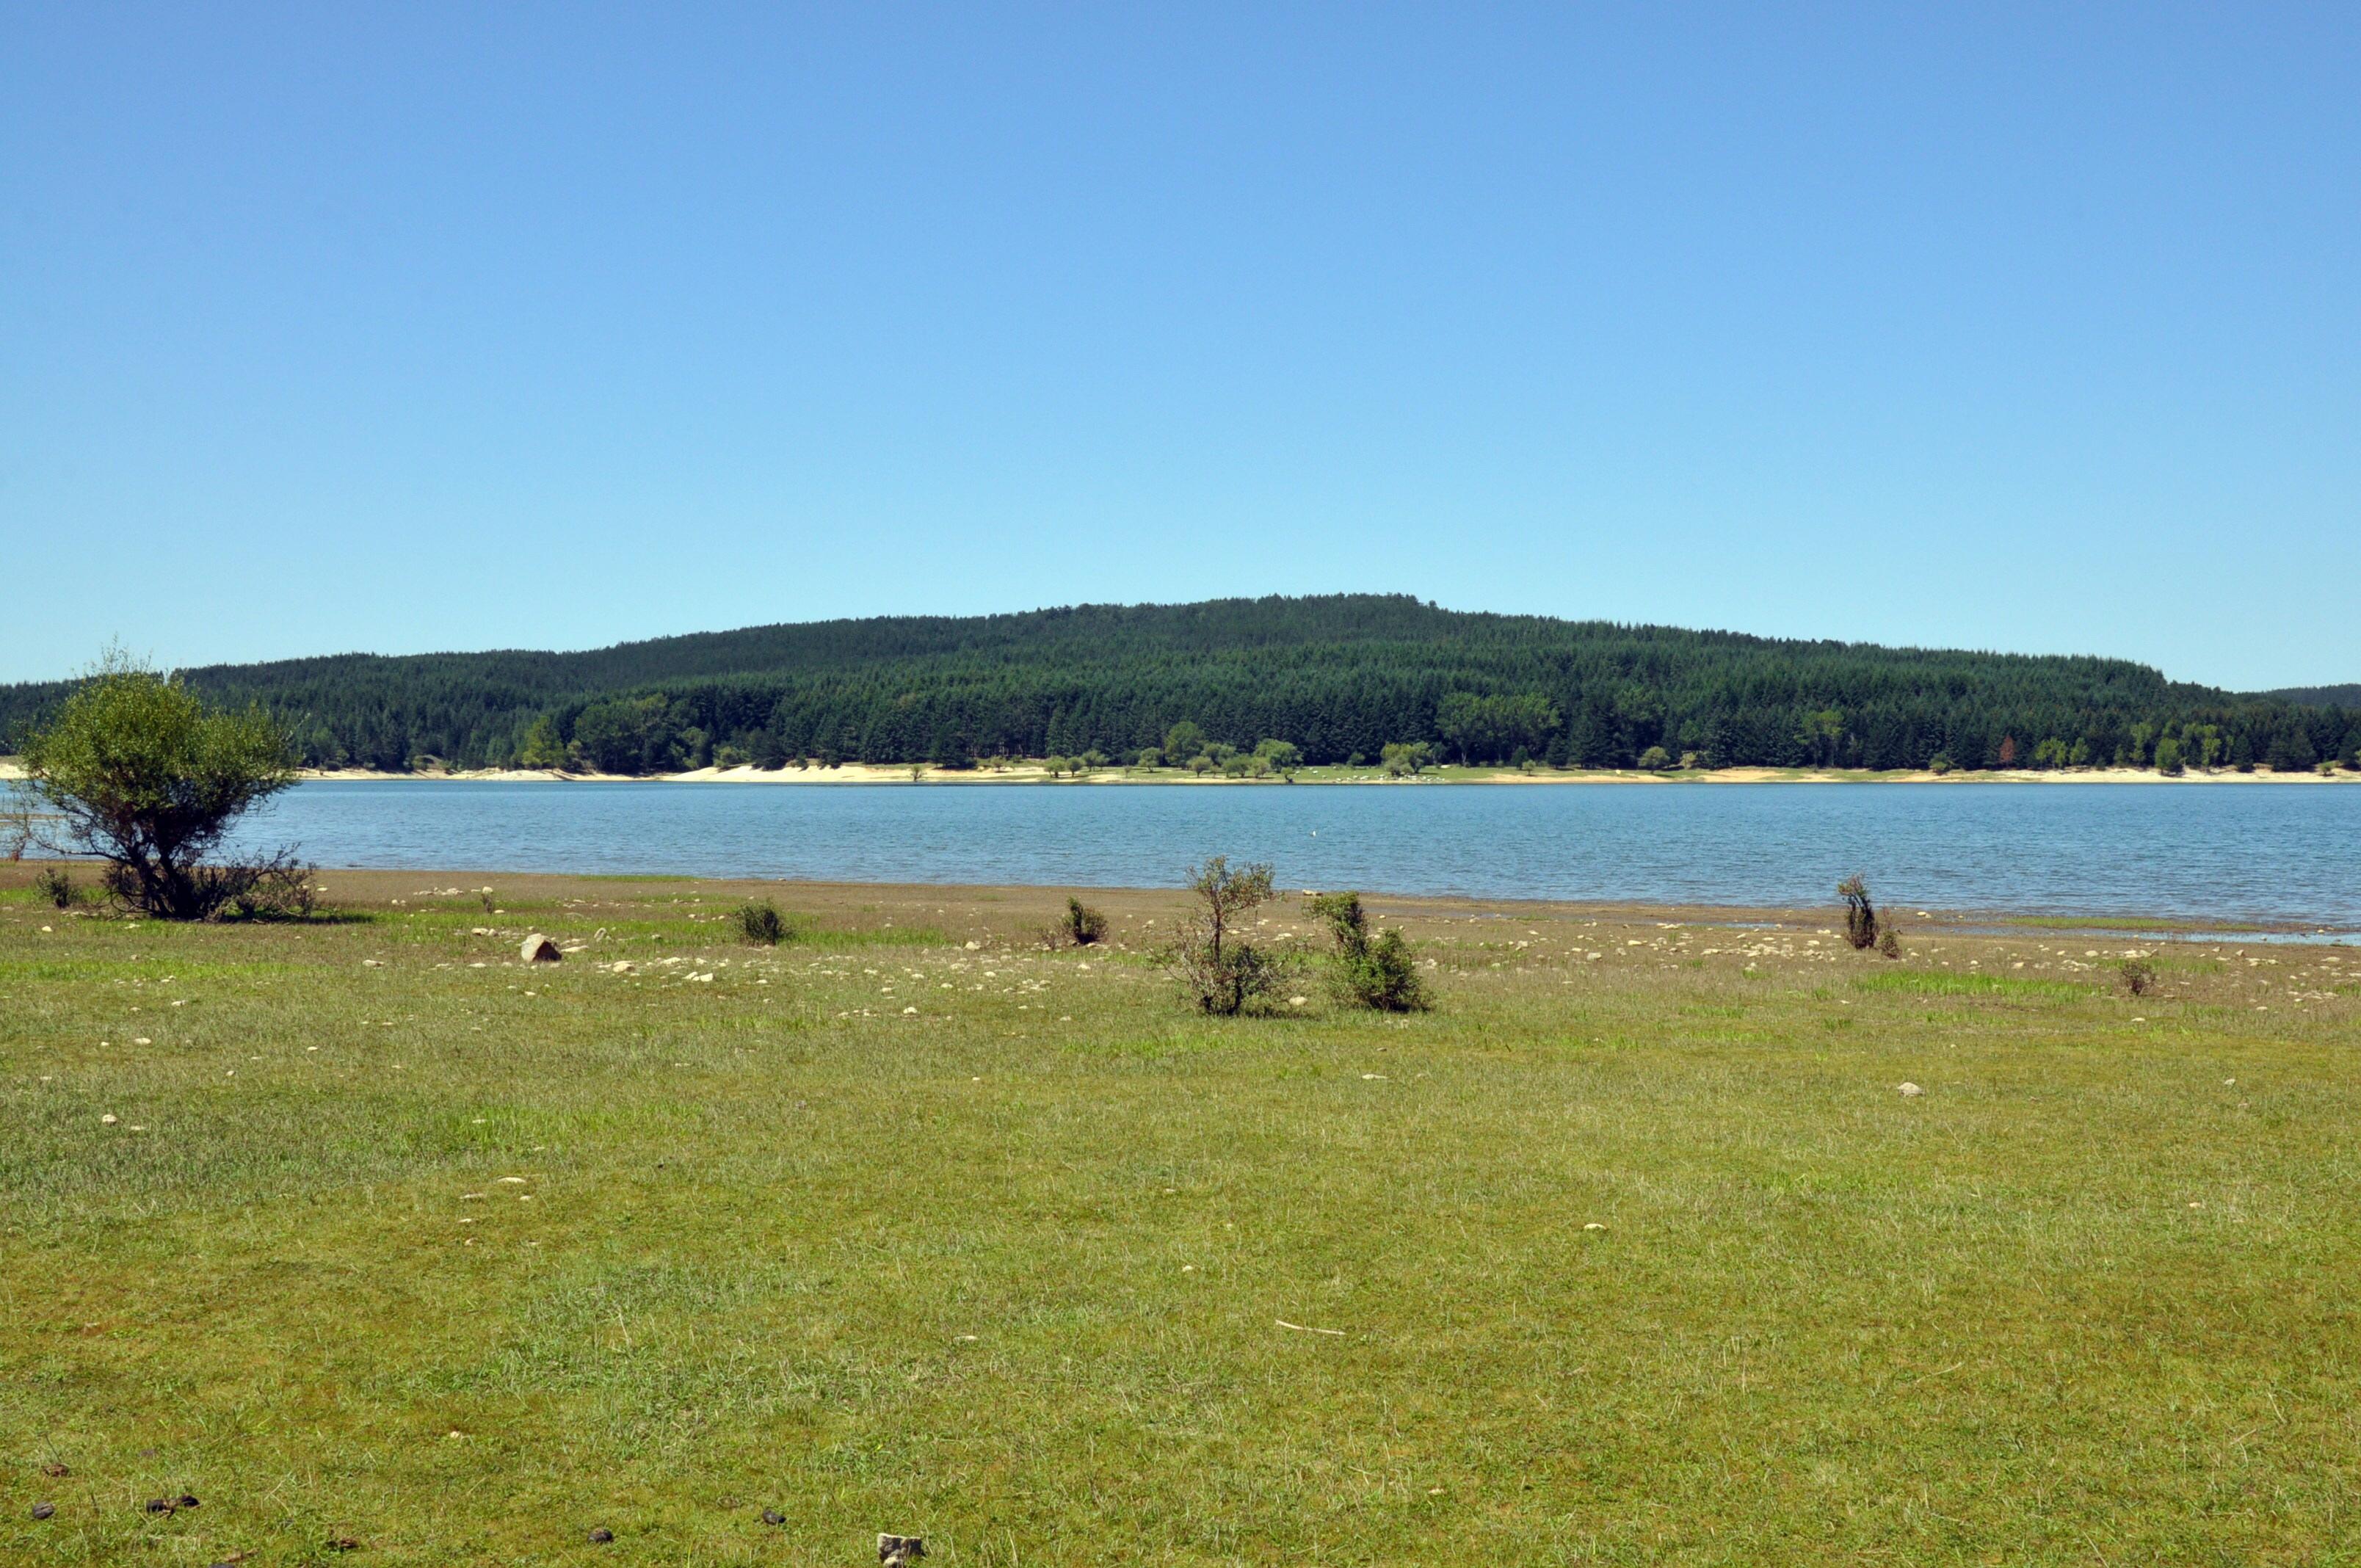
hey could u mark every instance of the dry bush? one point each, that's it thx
(279, 889)
(1861, 914)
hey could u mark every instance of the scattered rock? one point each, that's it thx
(54, 1469)
(540, 949)
(1910, 1090)
(343, 1543)
(773, 1515)
(603, 1535)
(43, 1510)
(895, 1551)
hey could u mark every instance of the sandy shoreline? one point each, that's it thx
(1034, 773)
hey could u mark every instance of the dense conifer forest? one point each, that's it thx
(1337, 678)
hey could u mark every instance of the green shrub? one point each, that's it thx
(1082, 927)
(56, 884)
(2138, 976)
(1221, 972)
(1378, 971)
(760, 921)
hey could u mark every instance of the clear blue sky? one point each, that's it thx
(407, 327)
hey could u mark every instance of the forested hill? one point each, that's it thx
(1336, 676)
(2346, 696)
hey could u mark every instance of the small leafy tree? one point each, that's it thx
(1282, 757)
(1406, 757)
(1223, 972)
(138, 770)
(1182, 741)
(542, 747)
(1378, 970)
(1655, 760)
(1861, 914)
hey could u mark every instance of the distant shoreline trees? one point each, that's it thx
(1216, 688)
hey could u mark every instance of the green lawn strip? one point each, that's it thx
(1008, 1262)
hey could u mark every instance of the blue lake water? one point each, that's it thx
(2288, 853)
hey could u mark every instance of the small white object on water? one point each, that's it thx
(1910, 1090)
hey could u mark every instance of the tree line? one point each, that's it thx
(1331, 678)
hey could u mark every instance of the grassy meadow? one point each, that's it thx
(1632, 1251)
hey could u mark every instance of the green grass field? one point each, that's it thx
(1630, 1252)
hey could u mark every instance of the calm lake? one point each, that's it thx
(2287, 853)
